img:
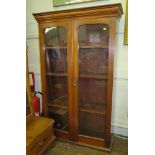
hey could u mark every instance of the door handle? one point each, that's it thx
(74, 83)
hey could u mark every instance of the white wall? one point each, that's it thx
(120, 89)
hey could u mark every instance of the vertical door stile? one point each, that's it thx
(75, 77)
(70, 79)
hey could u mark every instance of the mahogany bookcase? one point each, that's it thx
(77, 56)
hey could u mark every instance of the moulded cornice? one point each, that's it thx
(112, 10)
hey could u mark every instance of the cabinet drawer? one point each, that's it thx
(44, 139)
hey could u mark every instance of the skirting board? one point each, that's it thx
(119, 130)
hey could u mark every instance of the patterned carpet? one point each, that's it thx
(120, 147)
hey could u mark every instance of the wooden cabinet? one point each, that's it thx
(39, 135)
(77, 54)
(39, 130)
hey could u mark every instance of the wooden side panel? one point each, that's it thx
(112, 25)
(43, 71)
(31, 115)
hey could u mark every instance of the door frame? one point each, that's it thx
(68, 26)
(112, 33)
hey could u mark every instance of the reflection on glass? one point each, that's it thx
(96, 34)
(55, 36)
(93, 69)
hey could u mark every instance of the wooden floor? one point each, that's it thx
(120, 147)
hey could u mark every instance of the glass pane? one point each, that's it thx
(56, 75)
(92, 125)
(56, 60)
(93, 69)
(55, 36)
(94, 35)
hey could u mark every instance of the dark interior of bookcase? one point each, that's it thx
(92, 124)
(93, 71)
(56, 60)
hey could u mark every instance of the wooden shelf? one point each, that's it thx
(57, 106)
(56, 47)
(93, 108)
(81, 46)
(94, 46)
(88, 76)
(61, 102)
(56, 74)
(94, 76)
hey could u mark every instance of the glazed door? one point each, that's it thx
(93, 77)
(57, 72)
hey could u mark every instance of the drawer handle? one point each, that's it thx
(41, 143)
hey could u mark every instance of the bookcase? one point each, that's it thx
(77, 55)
